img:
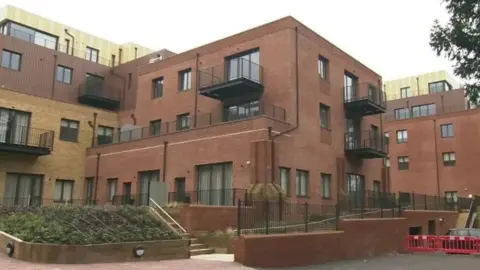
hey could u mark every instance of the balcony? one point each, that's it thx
(363, 100)
(232, 79)
(366, 144)
(25, 140)
(95, 93)
(201, 121)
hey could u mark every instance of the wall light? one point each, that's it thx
(138, 251)
(10, 249)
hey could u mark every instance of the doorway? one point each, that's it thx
(432, 230)
(180, 192)
(127, 193)
(417, 230)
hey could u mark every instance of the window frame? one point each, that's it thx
(421, 108)
(442, 135)
(104, 128)
(323, 68)
(298, 182)
(326, 178)
(405, 92)
(447, 159)
(109, 188)
(404, 136)
(10, 53)
(89, 52)
(183, 75)
(325, 119)
(62, 196)
(403, 163)
(62, 130)
(401, 112)
(288, 180)
(61, 70)
(156, 92)
(153, 127)
(179, 121)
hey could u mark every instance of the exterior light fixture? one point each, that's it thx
(10, 249)
(470, 196)
(138, 251)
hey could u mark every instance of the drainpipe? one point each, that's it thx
(134, 119)
(197, 85)
(73, 40)
(54, 74)
(96, 176)
(93, 126)
(418, 87)
(164, 174)
(436, 155)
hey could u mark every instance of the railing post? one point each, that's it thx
(234, 196)
(399, 210)
(267, 221)
(239, 216)
(337, 216)
(426, 208)
(413, 200)
(306, 217)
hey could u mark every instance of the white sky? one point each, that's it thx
(389, 36)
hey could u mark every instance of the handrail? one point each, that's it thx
(170, 217)
(471, 211)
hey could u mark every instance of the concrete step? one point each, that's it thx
(198, 246)
(203, 251)
(194, 241)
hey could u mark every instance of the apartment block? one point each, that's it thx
(277, 103)
(421, 84)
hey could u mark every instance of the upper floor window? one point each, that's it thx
(185, 79)
(436, 87)
(31, 35)
(324, 116)
(104, 135)
(285, 180)
(11, 60)
(183, 121)
(64, 74)
(155, 127)
(92, 54)
(402, 113)
(350, 84)
(245, 66)
(424, 110)
(241, 111)
(323, 67)
(157, 88)
(69, 130)
(449, 159)
(403, 163)
(402, 136)
(447, 130)
(405, 92)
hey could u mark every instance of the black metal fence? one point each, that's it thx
(26, 136)
(365, 139)
(208, 197)
(37, 201)
(133, 200)
(231, 70)
(422, 201)
(364, 91)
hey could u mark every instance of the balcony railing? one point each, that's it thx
(367, 143)
(364, 99)
(208, 196)
(202, 120)
(97, 93)
(421, 111)
(233, 78)
(25, 139)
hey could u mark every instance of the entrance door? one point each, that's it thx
(180, 190)
(127, 193)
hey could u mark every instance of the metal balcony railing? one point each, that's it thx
(98, 88)
(231, 70)
(365, 91)
(366, 139)
(26, 136)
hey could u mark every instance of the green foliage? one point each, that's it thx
(83, 225)
(459, 41)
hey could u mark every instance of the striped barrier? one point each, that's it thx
(446, 244)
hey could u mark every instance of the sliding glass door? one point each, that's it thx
(14, 126)
(215, 184)
(23, 189)
(144, 185)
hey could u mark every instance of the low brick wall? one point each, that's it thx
(206, 218)
(358, 238)
(102, 253)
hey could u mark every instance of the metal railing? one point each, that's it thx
(365, 139)
(26, 136)
(364, 91)
(403, 93)
(98, 88)
(202, 120)
(423, 201)
(413, 112)
(58, 46)
(167, 218)
(208, 196)
(38, 201)
(131, 199)
(230, 70)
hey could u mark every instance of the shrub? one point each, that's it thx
(83, 225)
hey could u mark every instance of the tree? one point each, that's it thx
(459, 41)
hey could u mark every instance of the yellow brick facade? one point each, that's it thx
(67, 160)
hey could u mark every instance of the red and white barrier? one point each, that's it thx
(447, 244)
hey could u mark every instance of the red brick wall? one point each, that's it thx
(359, 238)
(208, 218)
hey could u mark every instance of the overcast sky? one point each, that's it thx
(389, 36)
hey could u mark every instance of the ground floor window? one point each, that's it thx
(63, 190)
(215, 184)
(23, 189)
(144, 179)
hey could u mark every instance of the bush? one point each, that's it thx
(83, 225)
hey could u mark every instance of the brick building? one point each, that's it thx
(426, 154)
(275, 103)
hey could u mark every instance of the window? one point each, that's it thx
(451, 196)
(437, 87)
(130, 80)
(241, 111)
(11, 60)
(113, 60)
(22, 189)
(185, 80)
(377, 187)
(31, 35)
(323, 67)
(386, 137)
(403, 163)
(285, 180)
(355, 183)
(424, 110)
(155, 127)
(387, 162)
(69, 130)
(324, 116)
(447, 130)
(92, 54)
(402, 113)
(89, 186)
(405, 92)
(183, 121)
(63, 190)
(104, 135)
(215, 184)
(157, 88)
(245, 66)
(302, 183)
(326, 185)
(14, 127)
(64, 74)
(449, 159)
(350, 87)
(112, 188)
(402, 136)
(143, 185)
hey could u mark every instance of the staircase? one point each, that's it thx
(170, 219)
